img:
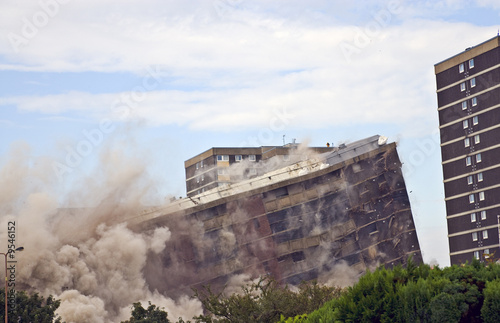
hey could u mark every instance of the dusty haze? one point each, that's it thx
(83, 256)
(77, 247)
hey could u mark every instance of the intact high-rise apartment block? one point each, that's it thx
(468, 93)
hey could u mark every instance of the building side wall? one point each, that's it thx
(469, 86)
(467, 222)
(202, 166)
(486, 109)
(486, 139)
(358, 215)
(203, 174)
(489, 158)
(463, 185)
(469, 120)
(463, 204)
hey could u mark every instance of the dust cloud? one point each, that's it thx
(78, 248)
(75, 244)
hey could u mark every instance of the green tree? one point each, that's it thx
(413, 302)
(263, 301)
(466, 293)
(367, 300)
(30, 308)
(444, 308)
(152, 314)
(490, 312)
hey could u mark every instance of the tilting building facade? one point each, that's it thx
(344, 209)
(222, 165)
(468, 93)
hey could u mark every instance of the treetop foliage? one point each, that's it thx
(149, 315)
(263, 301)
(30, 308)
(467, 293)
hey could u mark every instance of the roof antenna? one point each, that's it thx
(283, 140)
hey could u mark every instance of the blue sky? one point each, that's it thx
(166, 81)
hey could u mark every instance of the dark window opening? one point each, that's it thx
(298, 256)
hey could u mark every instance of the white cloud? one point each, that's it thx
(488, 3)
(232, 70)
(251, 67)
(110, 36)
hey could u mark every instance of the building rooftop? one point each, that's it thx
(303, 168)
(468, 53)
(264, 151)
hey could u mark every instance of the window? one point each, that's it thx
(462, 86)
(464, 105)
(475, 120)
(474, 236)
(471, 198)
(486, 252)
(222, 157)
(473, 82)
(474, 101)
(480, 177)
(279, 192)
(201, 164)
(481, 196)
(466, 124)
(202, 177)
(477, 139)
(476, 254)
(221, 171)
(470, 180)
(197, 179)
(197, 165)
(253, 171)
(473, 217)
(483, 215)
(478, 158)
(298, 256)
(468, 161)
(238, 158)
(471, 63)
(251, 157)
(485, 234)
(461, 68)
(286, 157)
(466, 142)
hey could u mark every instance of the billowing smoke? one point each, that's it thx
(76, 246)
(343, 276)
(296, 153)
(79, 248)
